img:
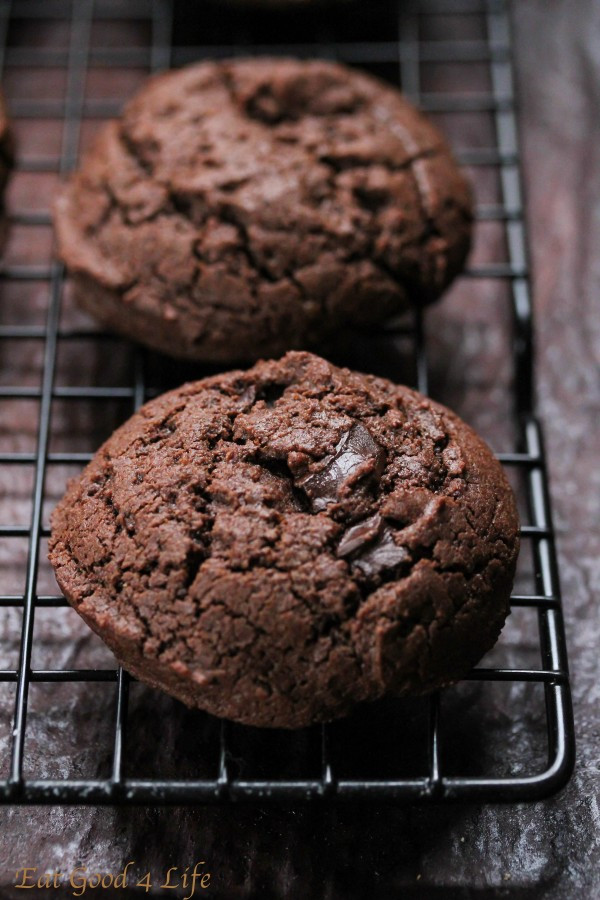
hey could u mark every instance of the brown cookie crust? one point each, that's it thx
(242, 208)
(277, 545)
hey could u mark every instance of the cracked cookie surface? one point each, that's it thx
(242, 208)
(278, 544)
(6, 149)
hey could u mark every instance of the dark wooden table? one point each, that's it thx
(550, 849)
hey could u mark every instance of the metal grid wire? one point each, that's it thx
(406, 51)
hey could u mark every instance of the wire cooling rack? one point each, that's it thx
(50, 54)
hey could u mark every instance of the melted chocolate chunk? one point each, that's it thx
(380, 550)
(248, 397)
(382, 554)
(356, 450)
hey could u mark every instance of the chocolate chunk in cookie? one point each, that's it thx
(242, 208)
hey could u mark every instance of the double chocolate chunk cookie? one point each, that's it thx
(240, 209)
(276, 545)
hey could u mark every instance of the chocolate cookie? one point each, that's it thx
(239, 209)
(276, 545)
